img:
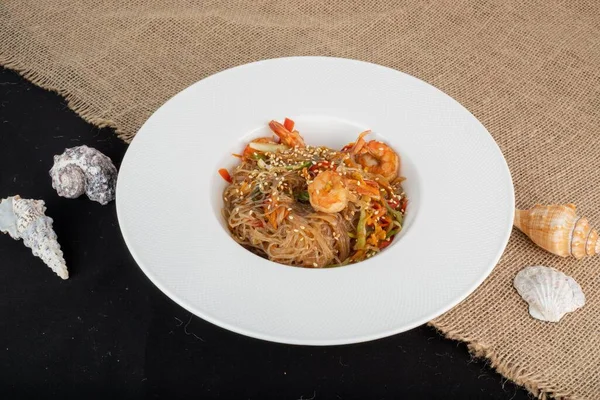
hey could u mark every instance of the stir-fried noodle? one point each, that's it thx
(314, 206)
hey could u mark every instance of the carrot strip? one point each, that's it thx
(404, 204)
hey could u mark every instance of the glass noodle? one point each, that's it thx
(312, 206)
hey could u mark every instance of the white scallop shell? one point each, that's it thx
(550, 293)
(86, 170)
(25, 219)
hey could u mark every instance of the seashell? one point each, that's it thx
(558, 229)
(25, 219)
(550, 293)
(82, 170)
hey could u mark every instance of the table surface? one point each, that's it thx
(108, 331)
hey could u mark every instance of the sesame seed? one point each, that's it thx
(296, 230)
(315, 264)
(291, 217)
(302, 227)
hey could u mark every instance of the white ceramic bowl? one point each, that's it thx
(457, 224)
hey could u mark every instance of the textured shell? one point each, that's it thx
(81, 170)
(558, 229)
(25, 219)
(549, 293)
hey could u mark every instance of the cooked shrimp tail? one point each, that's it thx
(360, 143)
(289, 138)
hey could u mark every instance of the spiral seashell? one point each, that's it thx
(25, 219)
(549, 293)
(558, 229)
(82, 170)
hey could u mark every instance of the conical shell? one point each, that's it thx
(25, 219)
(549, 293)
(558, 229)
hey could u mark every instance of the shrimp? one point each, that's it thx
(327, 192)
(292, 139)
(366, 188)
(376, 157)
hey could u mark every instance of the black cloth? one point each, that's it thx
(107, 331)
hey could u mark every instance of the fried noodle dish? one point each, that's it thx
(314, 207)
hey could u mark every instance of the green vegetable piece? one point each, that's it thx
(303, 196)
(361, 230)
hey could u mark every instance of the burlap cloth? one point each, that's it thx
(529, 70)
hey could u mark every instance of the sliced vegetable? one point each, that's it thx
(303, 196)
(288, 124)
(225, 175)
(255, 193)
(250, 151)
(345, 262)
(385, 244)
(267, 147)
(262, 164)
(392, 232)
(396, 214)
(298, 166)
(394, 203)
(361, 230)
(358, 256)
(404, 204)
(321, 165)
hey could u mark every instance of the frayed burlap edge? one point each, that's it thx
(75, 103)
(537, 385)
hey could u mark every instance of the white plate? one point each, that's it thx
(458, 220)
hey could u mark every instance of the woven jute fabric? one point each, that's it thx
(529, 70)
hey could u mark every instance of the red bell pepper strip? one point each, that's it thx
(385, 243)
(288, 124)
(225, 175)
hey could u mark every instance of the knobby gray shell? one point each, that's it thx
(81, 170)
